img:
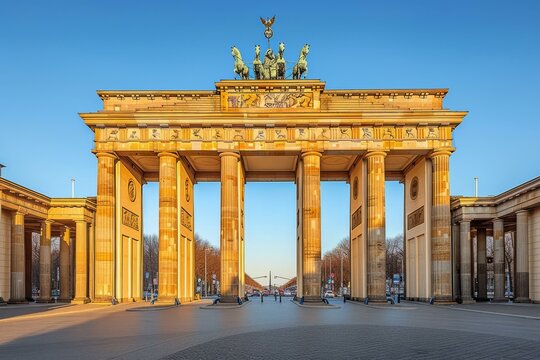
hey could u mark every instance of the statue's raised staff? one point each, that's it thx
(301, 66)
(239, 67)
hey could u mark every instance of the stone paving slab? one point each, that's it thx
(361, 341)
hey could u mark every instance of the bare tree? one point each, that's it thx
(150, 256)
(509, 258)
(394, 256)
(332, 264)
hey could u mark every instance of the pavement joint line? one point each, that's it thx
(497, 313)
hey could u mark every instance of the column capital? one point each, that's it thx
(497, 220)
(47, 221)
(310, 153)
(464, 222)
(106, 154)
(441, 152)
(371, 153)
(168, 154)
(229, 153)
(522, 212)
(80, 221)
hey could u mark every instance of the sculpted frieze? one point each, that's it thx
(271, 100)
(216, 134)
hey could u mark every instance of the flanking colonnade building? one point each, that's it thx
(274, 130)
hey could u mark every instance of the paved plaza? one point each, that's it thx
(270, 330)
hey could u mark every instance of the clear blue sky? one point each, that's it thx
(54, 55)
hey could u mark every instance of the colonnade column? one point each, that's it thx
(230, 227)
(45, 262)
(498, 259)
(81, 261)
(465, 266)
(64, 265)
(168, 227)
(105, 228)
(17, 259)
(482, 265)
(311, 226)
(376, 232)
(522, 257)
(441, 245)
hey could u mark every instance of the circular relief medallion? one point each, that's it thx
(186, 187)
(355, 188)
(131, 190)
(414, 188)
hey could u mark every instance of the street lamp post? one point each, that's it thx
(341, 287)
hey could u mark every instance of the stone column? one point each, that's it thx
(168, 228)
(45, 262)
(441, 245)
(376, 232)
(91, 261)
(105, 228)
(17, 259)
(28, 234)
(465, 266)
(81, 261)
(64, 265)
(482, 265)
(456, 260)
(230, 227)
(311, 225)
(498, 259)
(522, 257)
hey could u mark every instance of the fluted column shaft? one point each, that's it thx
(465, 266)
(441, 245)
(105, 228)
(481, 262)
(311, 225)
(65, 242)
(81, 261)
(376, 221)
(17, 259)
(230, 227)
(168, 227)
(498, 259)
(522, 257)
(45, 262)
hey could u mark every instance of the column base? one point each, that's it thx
(482, 299)
(377, 298)
(45, 300)
(83, 300)
(499, 300)
(103, 299)
(17, 301)
(468, 300)
(167, 300)
(312, 299)
(228, 299)
(522, 300)
(64, 300)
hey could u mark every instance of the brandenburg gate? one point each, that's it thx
(272, 130)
